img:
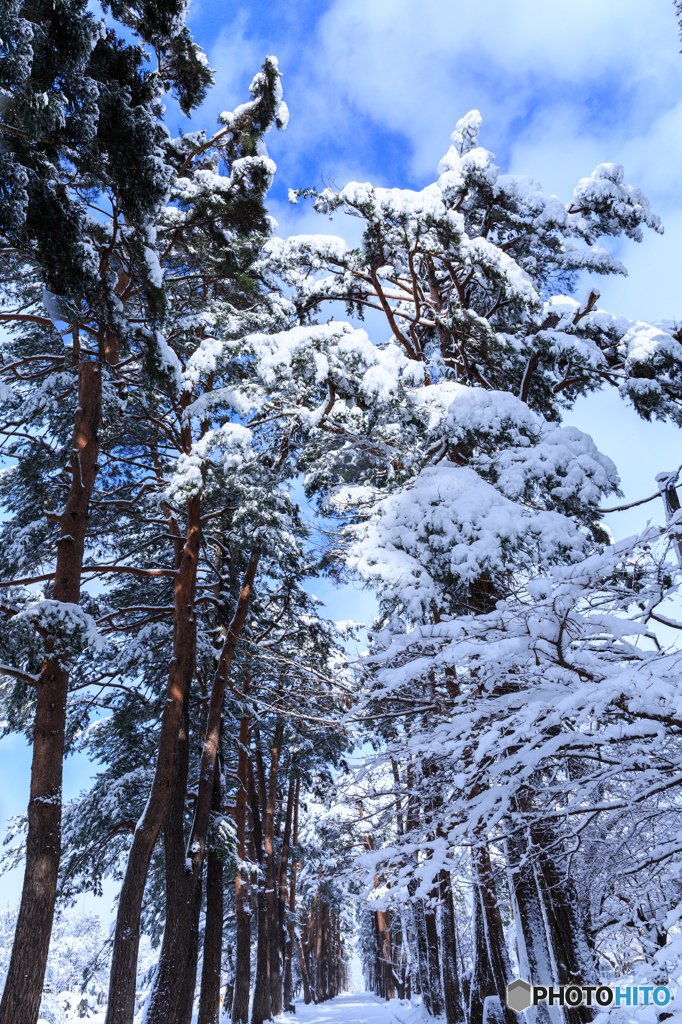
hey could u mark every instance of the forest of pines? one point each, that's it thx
(192, 435)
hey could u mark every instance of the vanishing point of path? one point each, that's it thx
(359, 1008)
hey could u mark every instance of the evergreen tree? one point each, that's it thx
(74, 99)
(459, 485)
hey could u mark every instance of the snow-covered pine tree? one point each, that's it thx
(74, 97)
(208, 233)
(458, 449)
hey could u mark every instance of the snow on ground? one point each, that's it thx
(356, 1008)
(353, 1008)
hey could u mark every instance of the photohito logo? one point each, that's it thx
(521, 995)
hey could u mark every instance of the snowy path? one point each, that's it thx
(360, 1008)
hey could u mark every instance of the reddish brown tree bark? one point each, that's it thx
(319, 989)
(170, 1001)
(452, 992)
(275, 970)
(261, 992)
(209, 1002)
(384, 926)
(500, 969)
(290, 926)
(242, 980)
(121, 1005)
(282, 884)
(24, 984)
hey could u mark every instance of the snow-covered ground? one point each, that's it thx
(355, 1008)
(350, 1008)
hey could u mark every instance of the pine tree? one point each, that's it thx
(74, 96)
(442, 461)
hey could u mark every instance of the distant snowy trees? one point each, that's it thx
(172, 390)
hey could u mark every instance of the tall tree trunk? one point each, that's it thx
(305, 974)
(121, 1005)
(177, 891)
(535, 959)
(261, 1009)
(481, 976)
(435, 983)
(170, 1001)
(422, 953)
(309, 948)
(452, 992)
(500, 968)
(408, 949)
(294, 940)
(331, 958)
(275, 969)
(289, 947)
(384, 926)
(417, 932)
(285, 943)
(262, 787)
(209, 1002)
(229, 981)
(396, 957)
(324, 956)
(566, 922)
(377, 986)
(242, 980)
(26, 973)
(319, 990)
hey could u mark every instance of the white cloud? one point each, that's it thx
(236, 58)
(416, 67)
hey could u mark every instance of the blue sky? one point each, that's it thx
(374, 88)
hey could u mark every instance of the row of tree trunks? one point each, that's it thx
(123, 975)
(432, 954)
(277, 929)
(259, 806)
(552, 938)
(322, 950)
(535, 960)
(569, 940)
(430, 949)
(172, 995)
(322, 967)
